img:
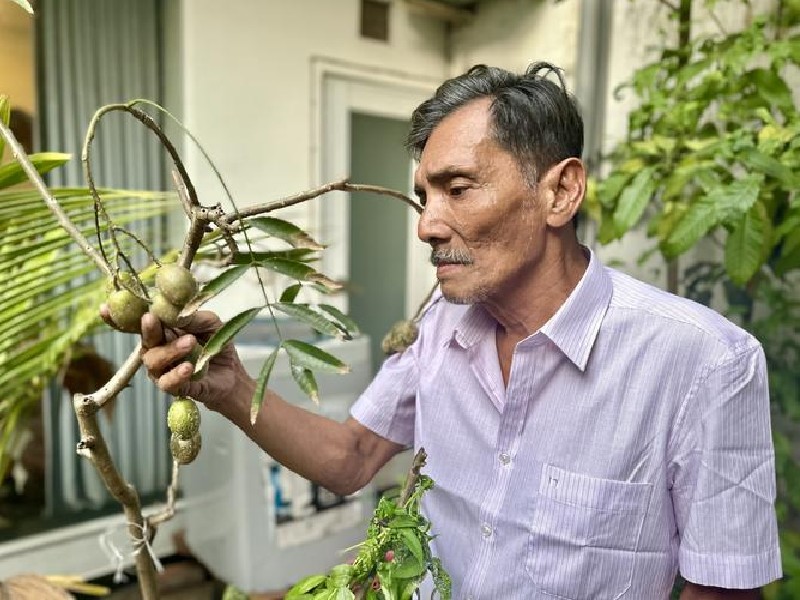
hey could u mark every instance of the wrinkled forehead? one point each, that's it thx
(456, 141)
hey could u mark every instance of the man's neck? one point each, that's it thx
(524, 310)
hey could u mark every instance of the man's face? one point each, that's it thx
(482, 217)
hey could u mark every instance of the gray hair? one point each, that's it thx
(532, 117)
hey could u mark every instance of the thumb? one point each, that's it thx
(201, 323)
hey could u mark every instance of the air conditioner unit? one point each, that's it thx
(254, 523)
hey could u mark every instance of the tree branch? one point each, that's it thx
(341, 185)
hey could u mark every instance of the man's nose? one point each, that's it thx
(432, 227)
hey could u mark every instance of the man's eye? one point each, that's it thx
(457, 191)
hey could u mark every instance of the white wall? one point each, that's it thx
(250, 84)
(513, 33)
(247, 81)
(17, 72)
(16, 56)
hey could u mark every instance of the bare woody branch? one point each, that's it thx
(341, 185)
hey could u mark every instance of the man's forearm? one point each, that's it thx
(692, 591)
(316, 447)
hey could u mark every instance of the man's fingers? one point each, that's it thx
(175, 381)
(201, 323)
(152, 331)
(105, 314)
(160, 359)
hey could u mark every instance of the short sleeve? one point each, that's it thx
(723, 484)
(387, 406)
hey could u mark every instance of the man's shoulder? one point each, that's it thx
(635, 300)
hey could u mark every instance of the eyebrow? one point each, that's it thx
(445, 174)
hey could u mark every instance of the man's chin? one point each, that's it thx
(455, 297)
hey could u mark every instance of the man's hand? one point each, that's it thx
(164, 353)
(692, 591)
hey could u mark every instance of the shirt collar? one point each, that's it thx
(573, 328)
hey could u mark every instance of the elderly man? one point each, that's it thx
(589, 435)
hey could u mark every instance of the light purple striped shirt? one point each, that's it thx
(633, 439)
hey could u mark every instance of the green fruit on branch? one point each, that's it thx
(185, 451)
(124, 280)
(126, 310)
(165, 310)
(183, 418)
(176, 283)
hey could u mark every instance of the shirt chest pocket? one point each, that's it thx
(584, 532)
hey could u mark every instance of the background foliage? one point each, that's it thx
(51, 292)
(710, 169)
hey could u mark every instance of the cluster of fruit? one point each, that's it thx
(183, 419)
(175, 286)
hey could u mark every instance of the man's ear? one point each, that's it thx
(567, 186)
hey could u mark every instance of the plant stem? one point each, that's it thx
(684, 50)
(413, 474)
(94, 447)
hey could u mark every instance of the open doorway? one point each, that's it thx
(372, 242)
(378, 228)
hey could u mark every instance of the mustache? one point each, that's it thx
(451, 256)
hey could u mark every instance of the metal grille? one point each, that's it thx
(91, 53)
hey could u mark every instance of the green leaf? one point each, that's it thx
(409, 567)
(792, 241)
(12, 173)
(349, 324)
(761, 163)
(291, 268)
(250, 258)
(307, 355)
(745, 248)
(215, 286)
(719, 205)
(611, 186)
(261, 385)
(24, 4)
(693, 225)
(318, 321)
(634, 199)
(772, 88)
(224, 335)
(305, 380)
(286, 231)
(290, 293)
(5, 116)
(402, 521)
(344, 593)
(305, 585)
(412, 543)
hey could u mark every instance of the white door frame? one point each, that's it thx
(337, 90)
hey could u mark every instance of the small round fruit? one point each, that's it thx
(126, 310)
(400, 336)
(185, 451)
(183, 417)
(124, 279)
(165, 310)
(176, 283)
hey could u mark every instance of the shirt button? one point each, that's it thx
(505, 458)
(486, 531)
